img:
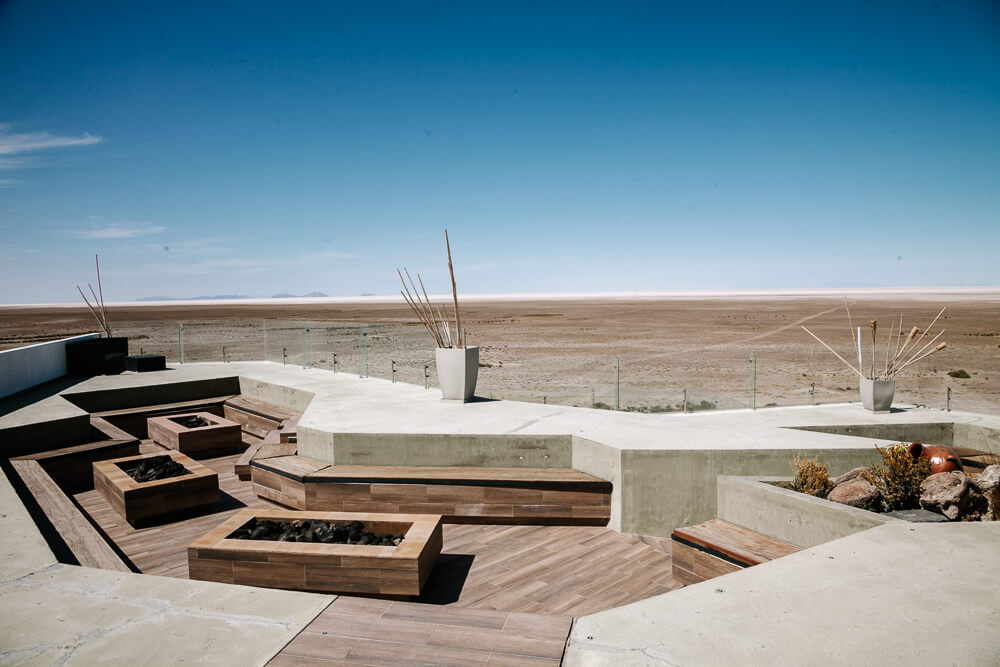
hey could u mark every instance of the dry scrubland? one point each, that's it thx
(562, 350)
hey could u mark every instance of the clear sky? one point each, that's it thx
(254, 148)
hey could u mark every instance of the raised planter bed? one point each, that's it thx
(195, 433)
(358, 569)
(796, 518)
(140, 501)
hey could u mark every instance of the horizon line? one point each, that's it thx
(979, 290)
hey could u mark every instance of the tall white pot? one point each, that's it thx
(458, 369)
(876, 395)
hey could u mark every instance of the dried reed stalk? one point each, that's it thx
(834, 351)
(430, 314)
(99, 310)
(454, 292)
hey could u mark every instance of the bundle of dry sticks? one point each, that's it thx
(99, 311)
(430, 315)
(898, 355)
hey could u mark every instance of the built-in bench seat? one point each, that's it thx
(256, 417)
(69, 526)
(717, 547)
(133, 420)
(460, 495)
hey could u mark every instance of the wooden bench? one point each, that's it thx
(133, 420)
(255, 417)
(717, 547)
(70, 467)
(461, 495)
(71, 526)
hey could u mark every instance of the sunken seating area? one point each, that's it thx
(461, 495)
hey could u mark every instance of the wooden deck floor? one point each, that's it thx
(565, 570)
(378, 632)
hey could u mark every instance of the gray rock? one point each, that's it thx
(988, 483)
(857, 492)
(848, 476)
(947, 493)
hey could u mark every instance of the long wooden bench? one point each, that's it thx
(72, 527)
(461, 495)
(133, 420)
(717, 547)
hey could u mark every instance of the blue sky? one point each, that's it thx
(245, 148)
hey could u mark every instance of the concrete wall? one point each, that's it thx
(666, 489)
(939, 433)
(977, 437)
(421, 449)
(789, 516)
(26, 367)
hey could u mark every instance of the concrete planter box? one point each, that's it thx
(458, 370)
(139, 501)
(381, 571)
(790, 516)
(221, 434)
(876, 395)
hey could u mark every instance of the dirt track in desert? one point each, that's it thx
(563, 351)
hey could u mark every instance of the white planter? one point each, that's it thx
(876, 395)
(458, 369)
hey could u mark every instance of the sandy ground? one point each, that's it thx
(564, 351)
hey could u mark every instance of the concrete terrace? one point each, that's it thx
(867, 598)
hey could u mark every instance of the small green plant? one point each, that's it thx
(898, 477)
(811, 477)
(959, 374)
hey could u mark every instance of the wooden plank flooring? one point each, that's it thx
(566, 570)
(377, 632)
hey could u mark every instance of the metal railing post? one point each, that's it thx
(180, 340)
(617, 386)
(949, 400)
(394, 371)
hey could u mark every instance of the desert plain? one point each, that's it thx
(708, 352)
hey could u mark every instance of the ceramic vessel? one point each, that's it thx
(942, 458)
(458, 370)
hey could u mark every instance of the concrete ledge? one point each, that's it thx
(789, 516)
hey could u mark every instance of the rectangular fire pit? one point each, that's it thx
(384, 571)
(194, 432)
(137, 501)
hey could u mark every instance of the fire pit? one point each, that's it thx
(194, 433)
(140, 500)
(365, 569)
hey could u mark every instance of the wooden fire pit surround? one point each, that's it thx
(218, 434)
(138, 501)
(384, 571)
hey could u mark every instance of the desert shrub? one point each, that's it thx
(898, 477)
(962, 375)
(811, 477)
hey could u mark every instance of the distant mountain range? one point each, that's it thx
(229, 297)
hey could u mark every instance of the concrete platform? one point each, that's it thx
(867, 598)
(917, 594)
(663, 466)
